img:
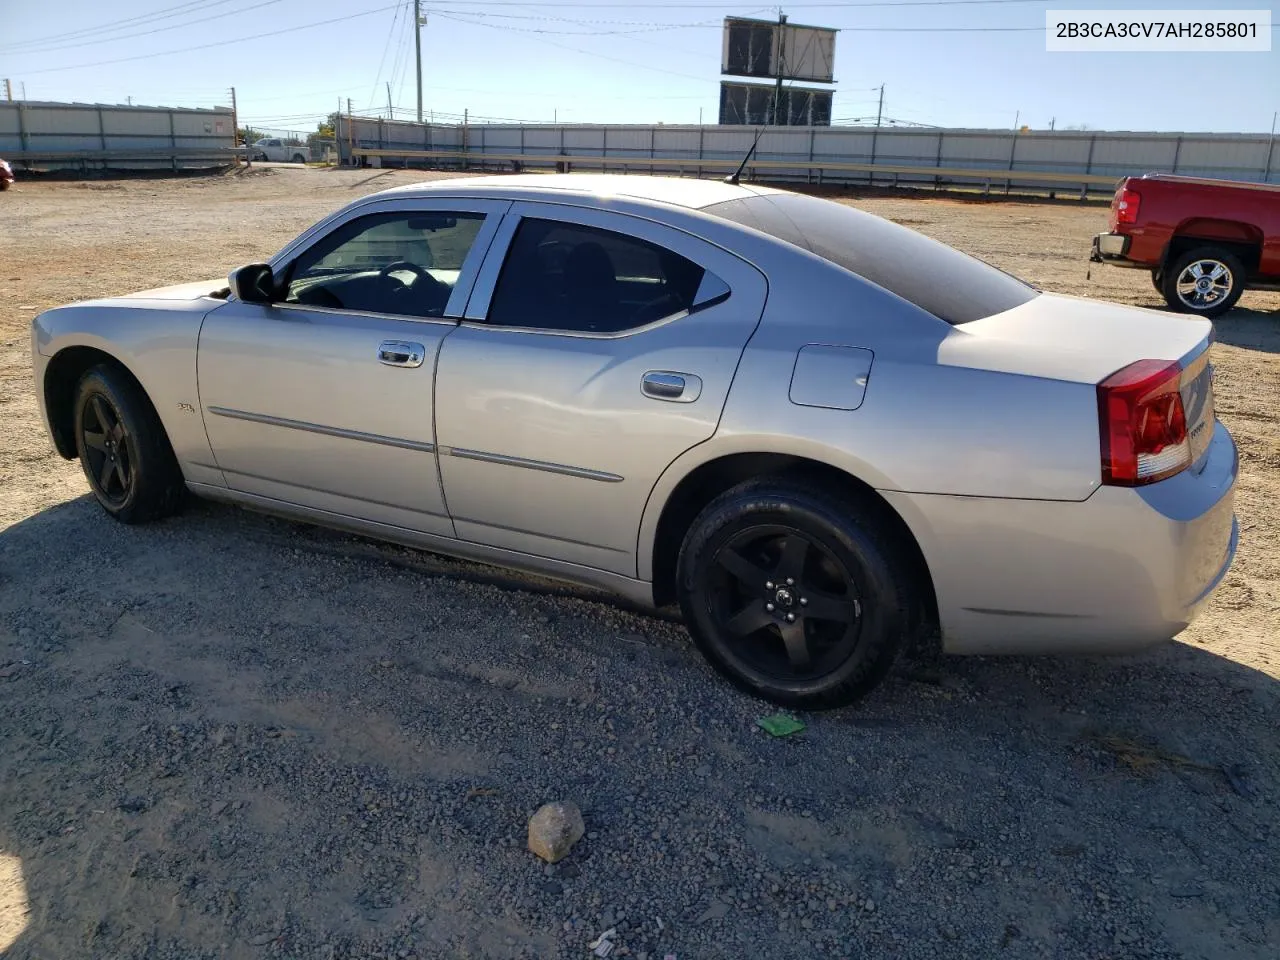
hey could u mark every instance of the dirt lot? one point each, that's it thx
(231, 736)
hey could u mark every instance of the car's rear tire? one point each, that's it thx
(1206, 281)
(1157, 281)
(299, 158)
(123, 448)
(794, 593)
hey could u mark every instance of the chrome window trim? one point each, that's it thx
(370, 314)
(493, 210)
(579, 334)
(661, 234)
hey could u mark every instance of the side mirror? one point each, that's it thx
(254, 283)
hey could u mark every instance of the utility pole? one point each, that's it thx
(390, 113)
(1271, 148)
(417, 49)
(880, 108)
(235, 128)
(780, 66)
(129, 99)
(8, 90)
(1052, 121)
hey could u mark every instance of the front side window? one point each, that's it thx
(399, 263)
(564, 276)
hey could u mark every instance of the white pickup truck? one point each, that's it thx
(279, 151)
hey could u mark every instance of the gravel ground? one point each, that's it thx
(227, 735)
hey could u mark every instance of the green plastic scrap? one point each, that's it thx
(780, 725)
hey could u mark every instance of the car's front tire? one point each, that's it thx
(123, 448)
(794, 593)
(1206, 281)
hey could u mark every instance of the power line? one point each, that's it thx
(385, 47)
(164, 14)
(218, 43)
(96, 39)
(814, 4)
(400, 64)
(589, 53)
(466, 16)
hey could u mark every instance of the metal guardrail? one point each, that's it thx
(565, 161)
(82, 158)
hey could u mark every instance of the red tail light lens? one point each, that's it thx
(1144, 428)
(1126, 205)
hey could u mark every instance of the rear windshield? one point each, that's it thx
(950, 285)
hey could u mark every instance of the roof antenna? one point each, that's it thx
(737, 174)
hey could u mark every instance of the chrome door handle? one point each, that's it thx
(667, 385)
(401, 353)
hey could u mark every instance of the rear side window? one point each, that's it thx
(564, 276)
(951, 285)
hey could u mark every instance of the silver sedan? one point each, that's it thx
(821, 434)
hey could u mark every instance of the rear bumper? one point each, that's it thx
(1112, 248)
(1124, 569)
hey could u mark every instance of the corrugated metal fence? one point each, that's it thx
(74, 134)
(907, 156)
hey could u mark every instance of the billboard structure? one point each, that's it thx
(753, 104)
(778, 51)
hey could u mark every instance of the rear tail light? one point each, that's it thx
(1144, 427)
(1126, 205)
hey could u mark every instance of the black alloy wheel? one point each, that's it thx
(798, 594)
(123, 447)
(789, 605)
(107, 449)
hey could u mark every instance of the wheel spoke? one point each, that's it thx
(795, 549)
(797, 644)
(105, 421)
(753, 576)
(1217, 271)
(106, 473)
(123, 466)
(824, 607)
(95, 441)
(748, 620)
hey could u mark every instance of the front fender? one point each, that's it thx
(156, 342)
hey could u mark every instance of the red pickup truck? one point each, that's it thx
(1203, 240)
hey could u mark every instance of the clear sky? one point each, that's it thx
(621, 61)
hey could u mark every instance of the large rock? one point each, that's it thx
(554, 829)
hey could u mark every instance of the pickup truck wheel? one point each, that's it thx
(123, 448)
(1206, 281)
(299, 158)
(795, 594)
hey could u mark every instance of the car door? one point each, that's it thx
(325, 399)
(597, 348)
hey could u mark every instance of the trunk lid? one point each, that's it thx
(1085, 341)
